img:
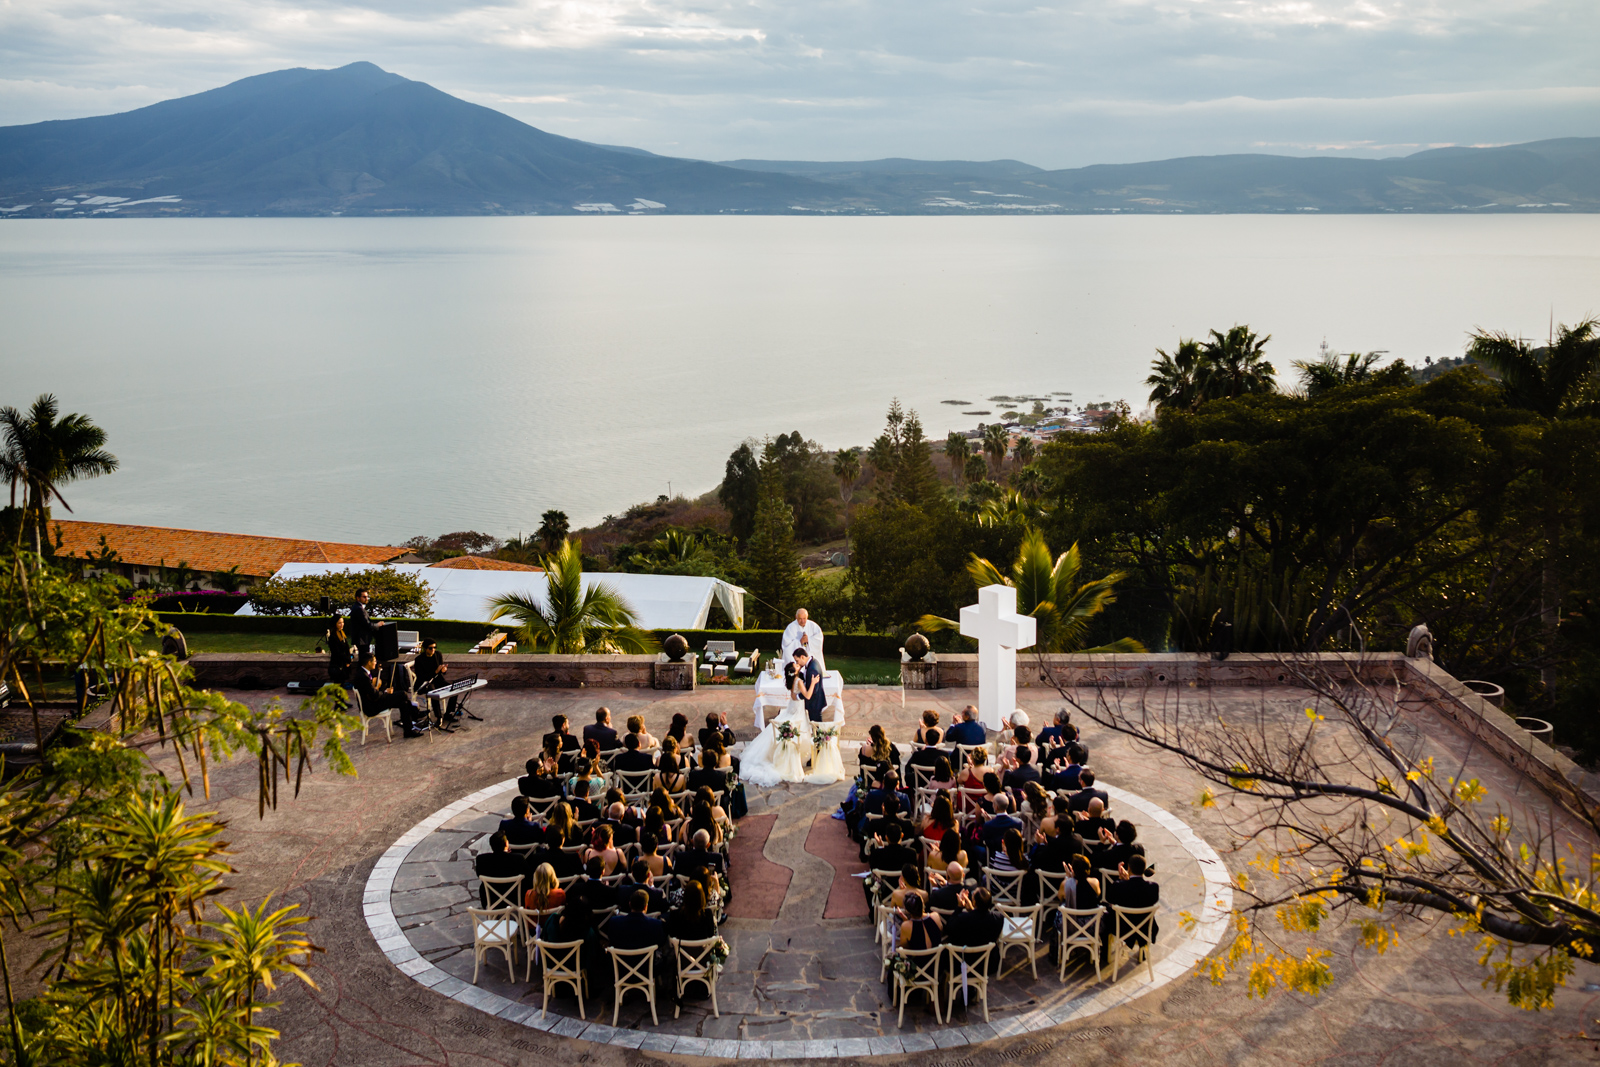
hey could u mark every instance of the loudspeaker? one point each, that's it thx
(388, 641)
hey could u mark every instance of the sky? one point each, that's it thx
(1055, 83)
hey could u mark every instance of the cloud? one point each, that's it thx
(1055, 83)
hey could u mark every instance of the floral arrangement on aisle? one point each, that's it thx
(900, 965)
(787, 732)
(824, 732)
(718, 954)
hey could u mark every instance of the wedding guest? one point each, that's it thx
(1024, 774)
(967, 730)
(541, 781)
(495, 863)
(975, 771)
(678, 728)
(636, 930)
(1009, 856)
(1087, 887)
(941, 820)
(878, 749)
(951, 853)
(636, 728)
(578, 797)
(910, 885)
(1054, 735)
(943, 777)
(601, 732)
(603, 848)
(1003, 820)
(637, 879)
(928, 756)
(716, 729)
(889, 854)
(977, 925)
(622, 820)
(1131, 889)
(952, 895)
(669, 771)
(691, 920)
(920, 931)
(631, 759)
(709, 773)
(339, 660)
(567, 745)
(929, 723)
(545, 892)
(1068, 775)
(520, 829)
(1093, 820)
(649, 844)
(1119, 847)
(700, 854)
(1087, 794)
(1023, 743)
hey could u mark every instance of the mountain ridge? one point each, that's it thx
(359, 140)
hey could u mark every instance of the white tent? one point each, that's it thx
(659, 601)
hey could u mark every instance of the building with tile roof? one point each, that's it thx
(215, 560)
(483, 563)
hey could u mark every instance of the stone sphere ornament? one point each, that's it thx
(916, 647)
(676, 647)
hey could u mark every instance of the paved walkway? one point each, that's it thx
(1421, 1003)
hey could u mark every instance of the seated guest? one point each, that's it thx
(635, 725)
(495, 863)
(582, 809)
(952, 895)
(1130, 889)
(1067, 775)
(1060, 817)
(920, 931)
(1010, 724)
(544, 893)
(649, 844)
(541, 781)
(623, 831)
(1003, 820)
(1118, 848)
(575, 922)
(1010, 855)
(992, 789)
(520, 829)
(1093, 820)
(670, 811)
(977, 925)
(1086, 887)
(638, 881)
(943, 777)
(1081, 799)
(1054, 854)
(878, 750)
(910, 885)
(1034, 803)
(1053, 736)
(595, 893)
(375, 700)
(716, 731)
(975, 771)
(941, 819)
(701, 818)
(1024, 774)
(929, 756)
(339, 660)
(669, 769)
(631, 759)
(1022, 739)
(567, 746)
(700, 854)
(603, 848)
(889, 854)
(967, 730)
(951, 853)
(928, 724)
(691, 920)
(876, 827)
(708, 773)
(600, 731)
(678, 728)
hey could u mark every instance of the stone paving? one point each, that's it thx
(1422, 1002)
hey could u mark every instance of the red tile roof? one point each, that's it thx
(203, 550)
(483, 563)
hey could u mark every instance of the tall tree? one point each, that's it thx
(1560, 384)
(571, 619)
(916, 481)
(740, 491)
(1333, 370)
(776, 580)
(957, 449)
(1235, 364)
(1025, 450)
(1174, 379)
(40, 452)
(552, 533)
(847, 468)
(976, 469)
(996, 442)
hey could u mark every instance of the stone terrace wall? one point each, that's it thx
(270, 671)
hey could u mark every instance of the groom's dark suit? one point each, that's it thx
(818, 699)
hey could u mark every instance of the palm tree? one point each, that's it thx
(1330, 372)
(996, 441)
(40, 453)
(676, 546)
(1557, 382)
(1173, 379)
(976, 469)
(1025, 450)
(1029, 482)
(1049, 591)
(1235, 364)
(847, 468)
(573, 620)
(957, 448)
(1010, 507)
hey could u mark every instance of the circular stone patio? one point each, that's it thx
(802, 977)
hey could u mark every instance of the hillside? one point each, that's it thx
(362, 141)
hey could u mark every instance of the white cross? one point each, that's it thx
(1000, 631)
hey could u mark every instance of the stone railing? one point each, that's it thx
(272, 671)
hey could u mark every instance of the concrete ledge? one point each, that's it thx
(271, 671)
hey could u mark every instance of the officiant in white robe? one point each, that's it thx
(803, 633)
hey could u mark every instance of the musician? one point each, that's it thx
(338, 652)
(362, 632)
(374, 699)
(430, 669)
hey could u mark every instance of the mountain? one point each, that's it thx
(356, 140)
(1559, 175)
(361, 141)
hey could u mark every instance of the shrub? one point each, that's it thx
(394, 595)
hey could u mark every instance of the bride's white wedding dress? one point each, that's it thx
(766, 761)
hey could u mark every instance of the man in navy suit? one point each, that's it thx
(808, 680)
(636, 929)
(969, 731)
(995, 829)
(519, 829)
(1130, 890)
(601, 732)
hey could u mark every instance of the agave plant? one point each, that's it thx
(1049, 591)
(573, 619)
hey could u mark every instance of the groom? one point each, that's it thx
(808, 684)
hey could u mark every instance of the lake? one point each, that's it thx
(372, 379)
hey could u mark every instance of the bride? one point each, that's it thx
(771, 758)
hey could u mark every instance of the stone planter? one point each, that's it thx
(1494, 694)
(670, 675)
(1538, 729)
